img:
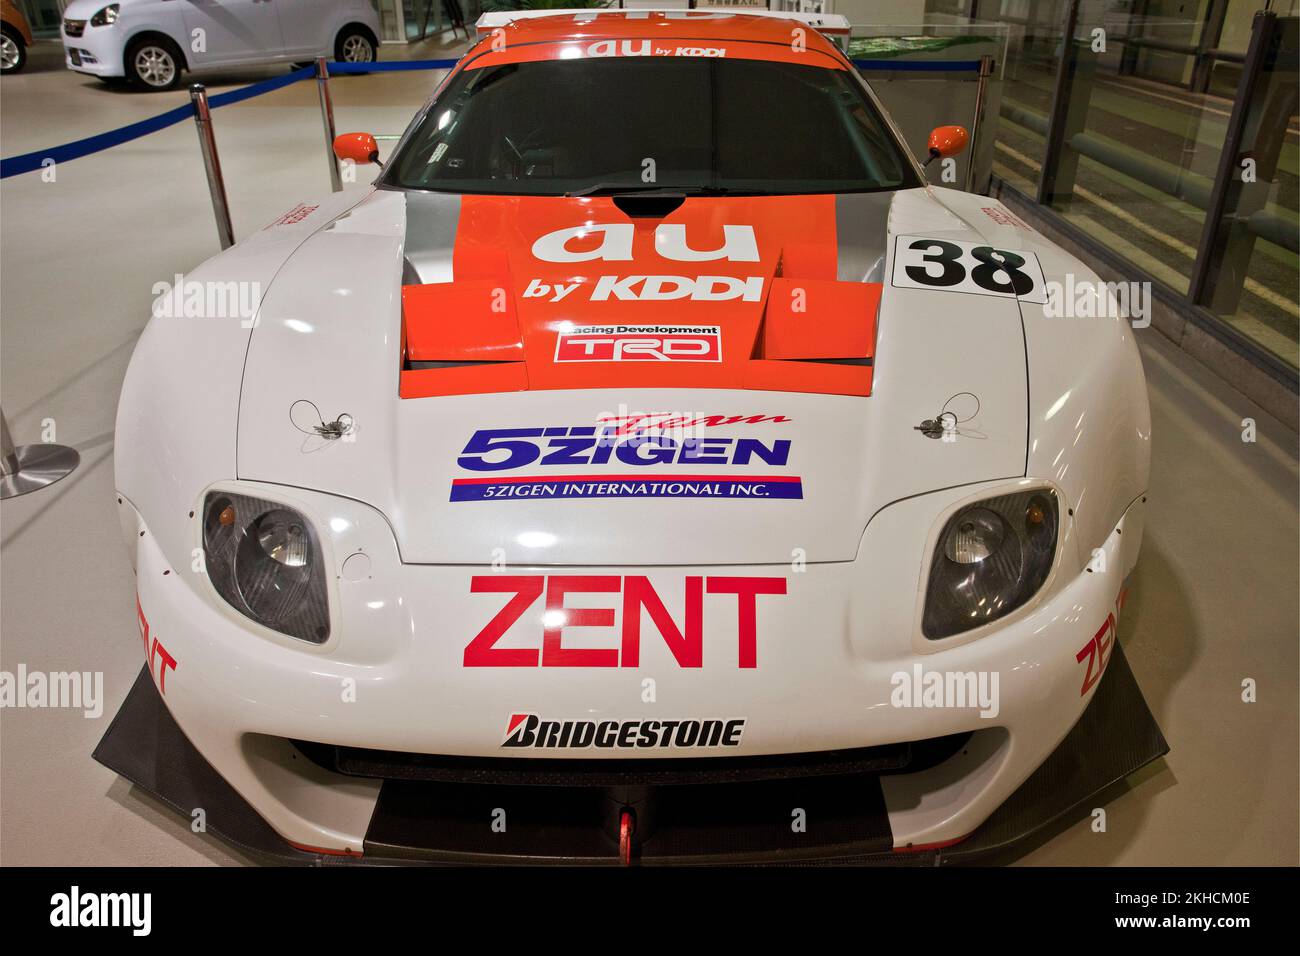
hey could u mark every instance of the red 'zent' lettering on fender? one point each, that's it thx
(154, 652)
(686, 643)
(1097, 651)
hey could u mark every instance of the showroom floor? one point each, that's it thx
(1214, 600)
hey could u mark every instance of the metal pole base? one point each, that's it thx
(37, 467)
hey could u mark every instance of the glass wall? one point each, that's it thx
(406, 21)
(1250, 277)
(1167, 132)
(1028, 76)
(1137, 155)
(43, 16)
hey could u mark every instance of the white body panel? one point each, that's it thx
(854, 455)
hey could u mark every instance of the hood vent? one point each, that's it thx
(461, 338)
(648, 205)
(465, 337)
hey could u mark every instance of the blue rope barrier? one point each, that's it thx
(388, 66)
(920, 66)
(30, 162)
(257, 89)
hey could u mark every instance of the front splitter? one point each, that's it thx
(416, 822)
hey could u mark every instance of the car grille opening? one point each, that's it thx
(688, 809)
(615, 772)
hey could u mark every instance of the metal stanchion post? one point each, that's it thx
(1060, 161)
(208, 144)
(327, 116)
(31, 467)
(981, 94)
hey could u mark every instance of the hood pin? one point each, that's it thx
(944, 425)
(330, 431)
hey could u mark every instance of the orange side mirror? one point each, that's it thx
(947, 141)
(359, 147)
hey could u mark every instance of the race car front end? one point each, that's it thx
(523, 516)
(748, 684)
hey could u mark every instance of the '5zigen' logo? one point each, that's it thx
(580, 446)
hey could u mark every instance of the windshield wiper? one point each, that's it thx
(615, 189)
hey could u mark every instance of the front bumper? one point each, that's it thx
(97, 52)
(828, 655)
(145, 746)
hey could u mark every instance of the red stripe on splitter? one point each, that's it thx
(927, 847)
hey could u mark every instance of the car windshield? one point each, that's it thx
(602, 125)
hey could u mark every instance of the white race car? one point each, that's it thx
(650, 467)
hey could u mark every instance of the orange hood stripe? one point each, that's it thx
(572, 293)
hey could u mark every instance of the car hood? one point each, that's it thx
(779, 449)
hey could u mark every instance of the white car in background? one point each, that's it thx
(150, 42)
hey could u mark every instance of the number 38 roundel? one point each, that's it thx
(947, 265)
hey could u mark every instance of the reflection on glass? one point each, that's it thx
(1143, 121)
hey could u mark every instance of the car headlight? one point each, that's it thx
(106, 16)
(992, 557)
(264, 559)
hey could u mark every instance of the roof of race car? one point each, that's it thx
(551, 34)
